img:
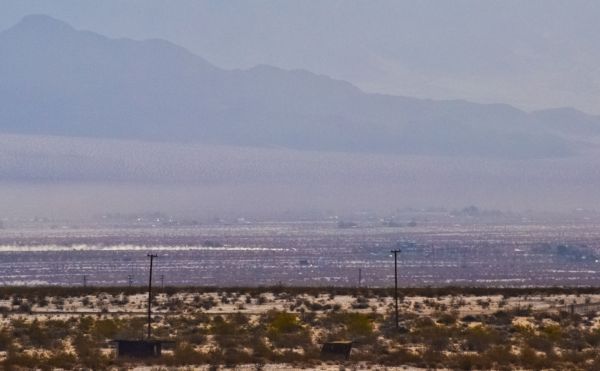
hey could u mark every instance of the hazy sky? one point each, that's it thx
(532, 54)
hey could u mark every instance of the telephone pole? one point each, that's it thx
(84, 280)
(359, 277)
(395, 252)
(130, 279)
(162, 281)
(151, 256)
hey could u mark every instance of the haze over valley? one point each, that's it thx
(93, 124)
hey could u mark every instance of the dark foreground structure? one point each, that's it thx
(339, 350)
(138, 348)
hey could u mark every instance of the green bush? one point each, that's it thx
(480, 338)
(285, 331)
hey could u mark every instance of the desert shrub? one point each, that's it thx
(310, 318)
(360, 303)
(185, 354)
(359, 326)
(174, 304)
(193, 335)
(544, 341)
(462, 361)
(522, 311)
(574, 357)
(436, 337)
(285, 331)
(106, 328)
(58, 301)
(229, 334)
(86, 302)
(552, 332)
(232, 357)
(29, 361)
(120, 300)
(396, 357)
(88, 353)
(24, 307)
(207, 303)
(37, 335)
(16, 300)
(573, 339)
(61, 360)
(530, 359)
(283, 322)
(423, 322)
(593, 337)
(447, 319)
(500, 318)
(6, 340)
(58, 331)
(132, 328)
(431, 358)
(40, 301)
(315, 306)
(500, 355)
(261, 300)
(85, 324)
(484, 303)
(480, 338)
(469, 318)
(260, 350)
(352, 326)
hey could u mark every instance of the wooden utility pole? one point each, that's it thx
(359, 277)
(395, 252)
(151, 256)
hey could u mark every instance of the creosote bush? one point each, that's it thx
(440, 335)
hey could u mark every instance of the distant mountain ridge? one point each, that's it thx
(60, 81)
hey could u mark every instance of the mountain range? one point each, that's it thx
(60, 81)
(90, 124)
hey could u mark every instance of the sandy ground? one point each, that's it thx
(135, 305)
(285, 367)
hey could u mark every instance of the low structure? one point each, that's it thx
(336, 350)
(138, 348)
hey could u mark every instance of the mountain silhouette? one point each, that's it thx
(57, 80)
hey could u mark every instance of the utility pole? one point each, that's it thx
(162, 281)
(151, 256)
(359, 277)
(130, 279)
(395, 252)
(84, 280)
